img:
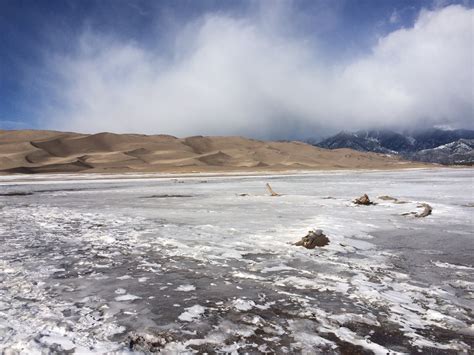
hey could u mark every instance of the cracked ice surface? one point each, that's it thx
(163, 264)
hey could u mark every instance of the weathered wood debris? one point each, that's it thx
(390, 198)
(387, 198)
(427, 209)
(314, 238)
(270, 190)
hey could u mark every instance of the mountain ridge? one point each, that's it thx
(407, 145)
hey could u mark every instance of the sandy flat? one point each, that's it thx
(32, 151)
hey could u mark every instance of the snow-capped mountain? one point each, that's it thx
(458, 152)
(433, 145)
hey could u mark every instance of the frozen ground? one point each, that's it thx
(190, 265)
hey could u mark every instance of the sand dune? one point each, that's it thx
(30, 151)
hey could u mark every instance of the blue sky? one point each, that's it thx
(55, 52)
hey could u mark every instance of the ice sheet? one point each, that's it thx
(148, 264)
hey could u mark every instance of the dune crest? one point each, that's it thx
(30, 152)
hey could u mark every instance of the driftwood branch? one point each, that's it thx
(427, 209)
(393, 199)
(388, 198)
(270, 190)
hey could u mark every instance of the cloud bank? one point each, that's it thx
(224, 75)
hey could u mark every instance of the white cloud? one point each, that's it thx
(234, 76)
(394, 17)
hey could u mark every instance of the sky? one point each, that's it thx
(263, 69)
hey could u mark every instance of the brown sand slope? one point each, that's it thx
(30, 151)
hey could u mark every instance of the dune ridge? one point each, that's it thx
(35, 151)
